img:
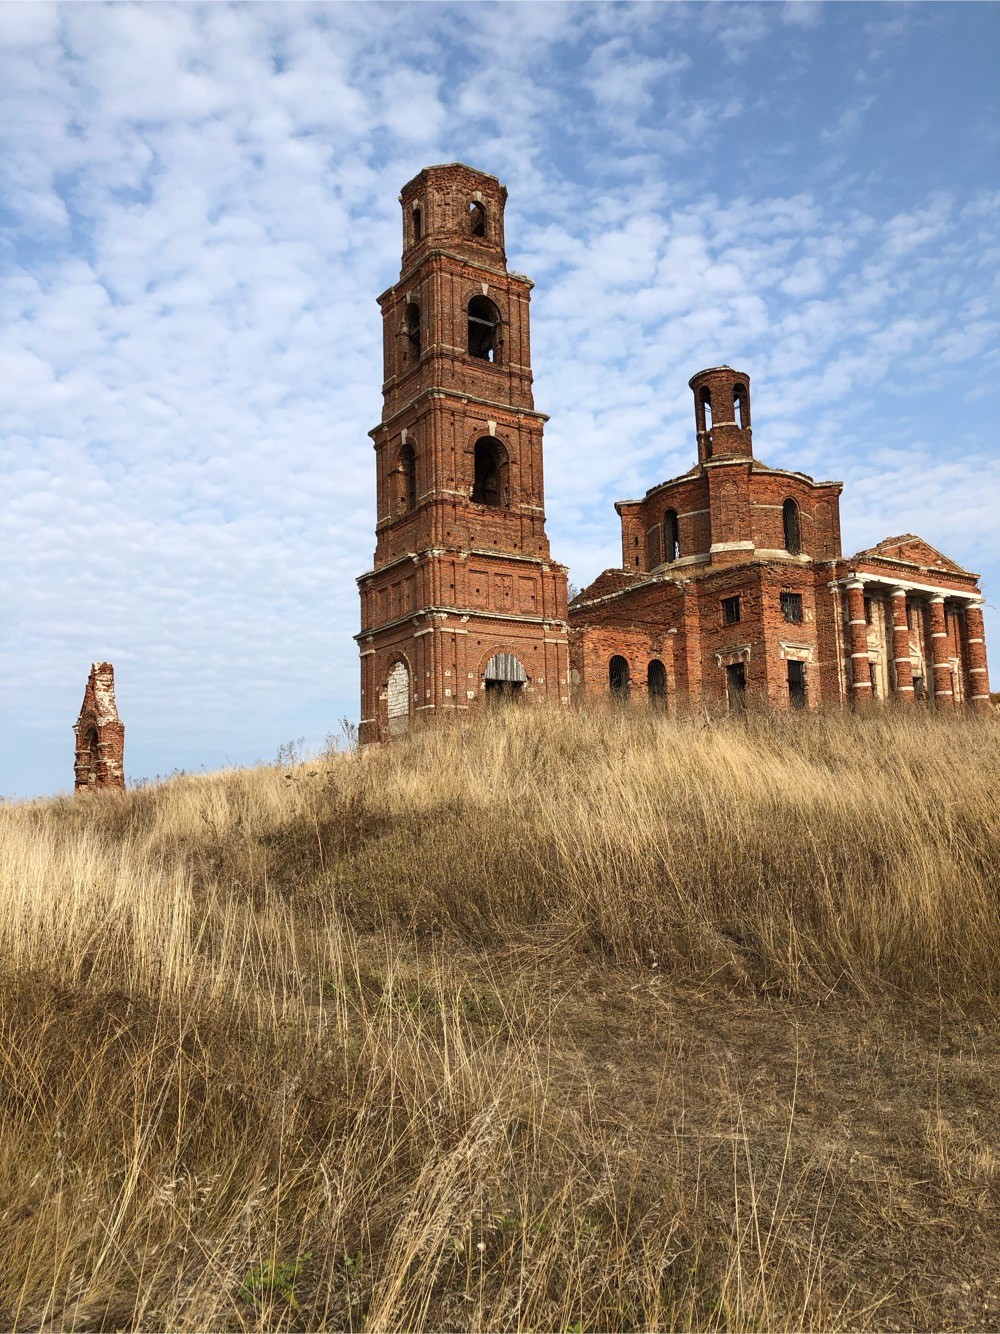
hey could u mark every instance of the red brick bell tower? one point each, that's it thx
(463, 601)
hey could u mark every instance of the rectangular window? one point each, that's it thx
(730, 611)
(918, 688)
(791, 608)
(868, 611)
(873, 673)
(797, 684)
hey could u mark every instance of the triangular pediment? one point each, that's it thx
(913, 550)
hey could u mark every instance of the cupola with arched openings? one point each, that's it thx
(722, 413)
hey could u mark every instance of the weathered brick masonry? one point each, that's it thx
(100, 733)
(732, 585)
(463, 599)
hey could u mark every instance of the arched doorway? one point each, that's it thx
(618, 677)
(656, 683)
(504, 678)
(398, 699)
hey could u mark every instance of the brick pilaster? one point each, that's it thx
(975, 657)
(857, 638)
(944, 697)
(902, 666)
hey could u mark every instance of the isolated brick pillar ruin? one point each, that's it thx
(902, 665)
(975, 643)
(100, 735)
(861, 672)
(944, 697)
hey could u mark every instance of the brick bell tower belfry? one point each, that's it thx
(463, 603)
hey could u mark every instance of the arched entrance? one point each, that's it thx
(656, 682)
(618, 677)
(398, 699)
(504, 677)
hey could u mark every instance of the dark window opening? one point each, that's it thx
(484, 323)
(730, 611)
(477, 219)
(797, 684)
(408, 467)
(790, 523)
(791, 608)
(418, 224)
(919, 688)
(671, 536)
(736, 684)
(413, 329)
(868, 611)
(490, 473)
(909, 614)
(739, 405)
(656, 681)
(618, 677)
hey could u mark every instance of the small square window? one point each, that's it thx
(730, 611)
(791, 608)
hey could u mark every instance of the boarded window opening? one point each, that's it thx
(790, 524)
(671, 536)
(797, 684)
(413, 329)
(791, 608)
(736, 684)
(490, 482)
(618, 677)
(477, 219)
(484, 324)
(398, 698)
(656, 682)
(730, 611)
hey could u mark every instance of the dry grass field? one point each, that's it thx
(575, 1022)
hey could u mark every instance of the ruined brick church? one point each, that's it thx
(732, 586)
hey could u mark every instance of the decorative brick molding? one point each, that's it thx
(100, 734)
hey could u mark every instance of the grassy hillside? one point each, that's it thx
(576, 1022)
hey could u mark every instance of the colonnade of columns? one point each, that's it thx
(973, 649)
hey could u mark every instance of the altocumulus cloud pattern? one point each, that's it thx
(199, 207)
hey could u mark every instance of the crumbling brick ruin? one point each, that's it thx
(732, 587)
(100, 734)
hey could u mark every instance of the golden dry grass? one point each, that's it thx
(551, 1021)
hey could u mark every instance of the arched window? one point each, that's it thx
(484, 329)
(418, 224)
(490, 480)
(413, 329)
(477, 219)
(739, 405)
(706, 408)
(408, 468)
(656, 682)
(398, 698)
(671, 536)
(92, 753)
(790, 522)
(618, 677)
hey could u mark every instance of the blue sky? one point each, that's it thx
(198, 207)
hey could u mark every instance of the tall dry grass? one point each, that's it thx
(424, 1038)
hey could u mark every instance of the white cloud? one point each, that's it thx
(202, 206)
